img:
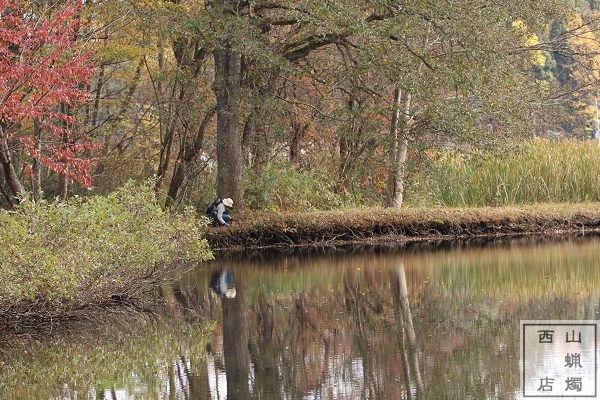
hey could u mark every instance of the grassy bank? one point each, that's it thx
(59, 259)
(330, 227)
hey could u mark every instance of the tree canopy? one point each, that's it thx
(209, 96)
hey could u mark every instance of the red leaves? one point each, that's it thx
(44, 71)
(65, 160)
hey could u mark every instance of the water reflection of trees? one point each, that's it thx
(370, 326)
(441, 325)
(356, 342)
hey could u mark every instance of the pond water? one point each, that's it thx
(348, 323)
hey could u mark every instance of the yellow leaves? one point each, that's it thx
(538, 58)
(519, 25)
(585, 44)
(590, 111)
(530, 39)
(543, 86)
(583, 36)
(116, 51)
(183, 7)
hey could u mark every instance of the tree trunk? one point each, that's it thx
(264, 357)
(63, 178)
(166, 135)
(395, 148)
(260, 146)
(199, 387)
(186, 157)
(165, 153)
(10, 175)
(406, 325)
(36, 177)
(125, 105)
(255, 133)
(399, 148)
(297, 133)
(63, 187)
(92, 117)
(295, 148)
(344, 143)
(189, 57)
(401, 333)
(349, 142)
(230, 163)
(235, 345)
(247, 133)
(97, 96)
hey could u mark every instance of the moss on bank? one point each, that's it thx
(328, 227)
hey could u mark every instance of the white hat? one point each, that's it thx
(228, 202)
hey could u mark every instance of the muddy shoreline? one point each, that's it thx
(416, 225)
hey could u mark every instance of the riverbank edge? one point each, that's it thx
(405, 225)
(39, 317)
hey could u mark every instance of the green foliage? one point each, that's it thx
(199, 192)
(543, 171)
(84, 251)
(281, 187)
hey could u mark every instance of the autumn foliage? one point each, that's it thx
(44, 72)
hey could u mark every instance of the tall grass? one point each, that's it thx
(541, 171)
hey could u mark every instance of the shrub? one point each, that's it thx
(85, 251)
(281, 187)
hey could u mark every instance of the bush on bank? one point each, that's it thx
(281, 187)
(84, 252)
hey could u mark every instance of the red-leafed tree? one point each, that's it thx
(44, 70)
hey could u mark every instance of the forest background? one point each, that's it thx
(301, 105)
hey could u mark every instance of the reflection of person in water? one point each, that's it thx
(222, 283)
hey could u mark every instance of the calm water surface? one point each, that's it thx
(353, 323)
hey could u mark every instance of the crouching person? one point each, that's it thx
(218, 212)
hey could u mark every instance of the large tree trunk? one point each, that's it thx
(400, 147)
(230, 163)
(235, 345)
(10, 175)
(296, 135)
